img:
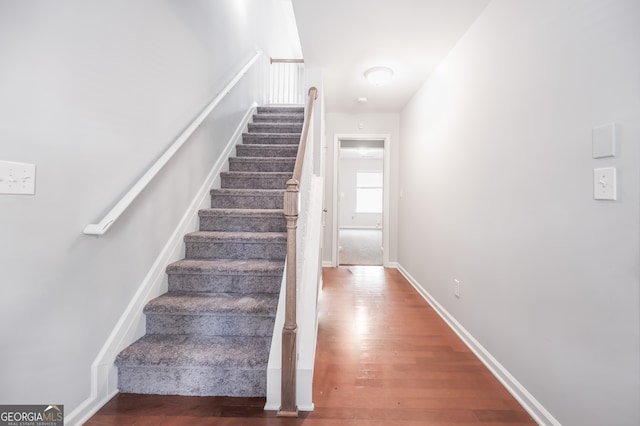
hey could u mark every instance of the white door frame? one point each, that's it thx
(386, 138)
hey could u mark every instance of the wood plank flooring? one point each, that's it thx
(384, 357)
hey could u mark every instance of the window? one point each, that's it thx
(368, 192)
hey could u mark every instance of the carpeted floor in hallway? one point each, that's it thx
(360, 247)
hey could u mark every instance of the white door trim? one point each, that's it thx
(386, 138)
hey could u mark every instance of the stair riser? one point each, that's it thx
(210, 325)
(192, 381)
(274, 128)
(280, 110)
(243, 224)
(266, 139)
(273, 118)
(243, 165)
(236, 250)
(253, 182)
(225, 201)
(266, 151)
(220, 283)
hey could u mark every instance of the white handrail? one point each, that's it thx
(106, 222)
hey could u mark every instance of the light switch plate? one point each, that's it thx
(17, 178)
(604, 183)
(604, 140)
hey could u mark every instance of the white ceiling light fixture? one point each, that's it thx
(378, 76)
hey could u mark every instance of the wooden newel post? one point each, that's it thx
(288, 406)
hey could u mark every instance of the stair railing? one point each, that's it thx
(287, 82)
(101, 227)
(288, 406)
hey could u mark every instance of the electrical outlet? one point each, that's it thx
(456, 288)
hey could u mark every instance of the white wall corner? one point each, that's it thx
(515, 388)
(131, 325)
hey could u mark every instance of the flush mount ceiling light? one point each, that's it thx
(378, 76)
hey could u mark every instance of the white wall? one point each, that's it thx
(348, 216)
(92, 93)
(365, 124)
(497, 192)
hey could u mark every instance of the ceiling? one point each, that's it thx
(347, 37)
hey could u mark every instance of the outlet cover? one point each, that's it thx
(456, 288)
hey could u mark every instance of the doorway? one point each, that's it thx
(360, 192)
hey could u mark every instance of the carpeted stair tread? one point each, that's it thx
(247, 198)
(278, 118)
(248, 192)
(176, 350)
(242, 212)
(275, 127)
(236, 245)
(267, 150)
(270, 109)
(205, 236)
(288, 160)
(264, 159)
(213, 303)
(265, 175)
(247, 276)
(262, 164)
(257, 138)
(274, 146)
(242, 220)
(226, 266)
(254, 180)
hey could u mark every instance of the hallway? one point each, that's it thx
(384, 357)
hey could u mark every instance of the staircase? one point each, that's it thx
(210, 334)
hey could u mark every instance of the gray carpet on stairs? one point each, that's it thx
(210, 334)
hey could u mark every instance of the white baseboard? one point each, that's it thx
(131, 326)
(329, 264)
(304, 385)
(515, 388)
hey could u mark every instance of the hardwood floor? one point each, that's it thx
(384, 357)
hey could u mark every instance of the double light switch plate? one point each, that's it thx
(17, 178)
